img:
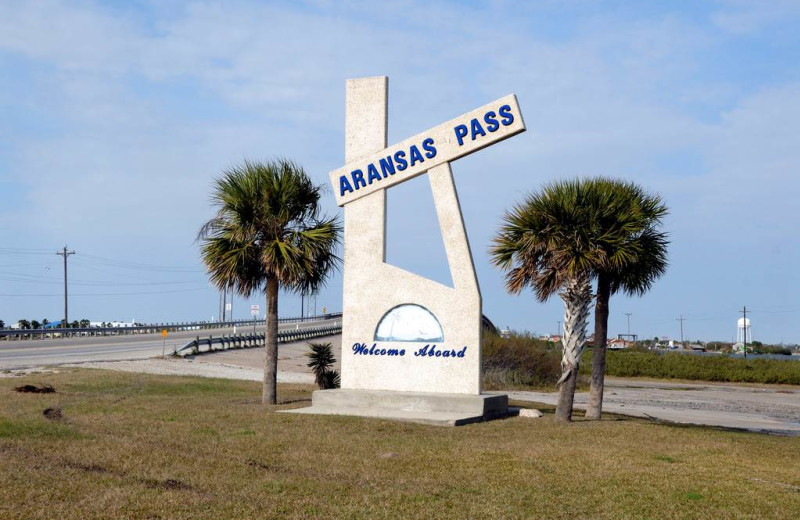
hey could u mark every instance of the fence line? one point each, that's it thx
(227, 342)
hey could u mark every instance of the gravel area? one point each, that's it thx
(757, 408)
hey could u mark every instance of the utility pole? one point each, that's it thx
(681, 319)
(744, 339)
(231, 313)
(302, 305)
(224, 302)
(628, 314)
(65, 254)
(558, 328)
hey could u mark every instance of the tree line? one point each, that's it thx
(36, 324)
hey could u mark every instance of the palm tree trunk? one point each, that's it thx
(577, 296)
(595, 407)
(566, 396)
(270, 392)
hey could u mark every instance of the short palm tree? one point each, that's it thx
(545, 244)
(632, 254)
(268, 234)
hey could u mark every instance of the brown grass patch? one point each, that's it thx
(180, 447)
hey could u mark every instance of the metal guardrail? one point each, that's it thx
(251, 340)
(19, 334)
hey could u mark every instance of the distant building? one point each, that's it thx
(617, 344)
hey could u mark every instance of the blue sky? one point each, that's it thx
(116, 116)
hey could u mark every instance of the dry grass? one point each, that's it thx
(142, 446)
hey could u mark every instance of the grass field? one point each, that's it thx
(142, 446)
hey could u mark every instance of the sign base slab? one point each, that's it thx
(437, 409)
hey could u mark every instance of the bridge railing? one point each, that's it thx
(152, 328)
(225, 342)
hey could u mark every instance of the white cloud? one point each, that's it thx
(147, 106)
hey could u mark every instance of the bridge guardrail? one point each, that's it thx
(19, 334)
(252, 340)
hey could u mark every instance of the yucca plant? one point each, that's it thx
(268, 234)
(320, 361)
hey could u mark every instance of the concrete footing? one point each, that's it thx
(426, 408)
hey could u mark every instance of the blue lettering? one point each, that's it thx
(491, 122)
(372, 173)
(361, 348)
(461, 133)
(432, 352)
(422, 351)
(416, 155)
(445, 353)
(399, 158)
(476, 129)
(505, 113)
(358, 178)
(387, 166)
(462, 352)
(430, 150)
(344, 185)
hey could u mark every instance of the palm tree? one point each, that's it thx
(632, 255)
(544, 243)
(268, 234)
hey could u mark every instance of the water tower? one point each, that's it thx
(742, 329)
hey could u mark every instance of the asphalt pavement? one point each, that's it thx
(31, 353)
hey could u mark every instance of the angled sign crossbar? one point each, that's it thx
(441, 144)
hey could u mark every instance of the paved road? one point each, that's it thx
(24, 354)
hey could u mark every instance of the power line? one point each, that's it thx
(105, 294)
(26, 278)
(124, 264)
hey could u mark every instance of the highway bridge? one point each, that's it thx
(18, 354)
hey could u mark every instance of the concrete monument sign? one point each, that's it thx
(410, 346)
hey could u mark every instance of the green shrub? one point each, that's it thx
(674, 365)
(520, 361)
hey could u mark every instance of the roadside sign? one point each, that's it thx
(255, 310)
(164, 333)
